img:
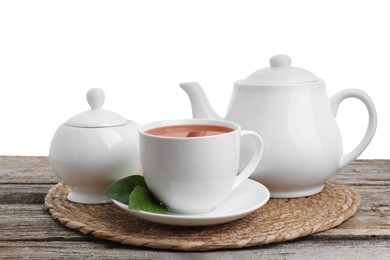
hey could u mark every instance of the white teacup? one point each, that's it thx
(191, 165)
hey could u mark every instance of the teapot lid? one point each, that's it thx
(280, 72)
(96, 117)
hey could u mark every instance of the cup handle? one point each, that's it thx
(335, 101)
(254, 161)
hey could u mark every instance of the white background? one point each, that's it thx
(52, 52)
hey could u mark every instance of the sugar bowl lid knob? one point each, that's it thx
(96, 116)
(95, 98)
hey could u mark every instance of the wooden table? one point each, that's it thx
(27, 230)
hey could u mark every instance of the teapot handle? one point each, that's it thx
(335, 101)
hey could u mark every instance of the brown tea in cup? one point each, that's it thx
(189, 130)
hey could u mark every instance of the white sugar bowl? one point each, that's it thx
(94, 149)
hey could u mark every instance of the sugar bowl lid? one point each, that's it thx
(96, 116)
(280, 72)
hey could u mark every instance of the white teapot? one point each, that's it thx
(94, 149)
(289, 107)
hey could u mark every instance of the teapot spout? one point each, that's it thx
(201, 107)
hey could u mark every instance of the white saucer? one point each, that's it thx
(245, 199)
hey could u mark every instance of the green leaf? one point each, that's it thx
(142, 199)
(122, 189)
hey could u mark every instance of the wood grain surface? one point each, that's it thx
(28, 231)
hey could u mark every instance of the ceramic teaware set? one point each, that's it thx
(290, 143)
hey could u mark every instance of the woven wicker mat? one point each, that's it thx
(278, 220)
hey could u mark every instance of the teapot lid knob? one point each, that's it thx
(95, 98)
(280, 72)
(279, 61)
